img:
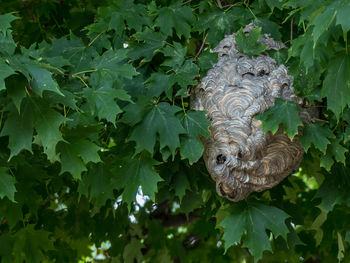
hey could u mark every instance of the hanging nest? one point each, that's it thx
(238, 155)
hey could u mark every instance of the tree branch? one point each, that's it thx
(202, 46)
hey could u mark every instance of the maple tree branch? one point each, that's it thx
(219, 3)
(187, 2)
(202, 46)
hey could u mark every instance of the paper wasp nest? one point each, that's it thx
(238, 155)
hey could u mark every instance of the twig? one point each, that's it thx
(189, 1)
(316, 119)
(219, 3)
(202, 46)
(291, 30)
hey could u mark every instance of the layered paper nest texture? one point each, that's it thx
(238, 155)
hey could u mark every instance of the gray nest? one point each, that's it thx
(238, 155)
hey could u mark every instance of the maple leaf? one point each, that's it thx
(336, 86)
(5, 22)
(152, 43)
(5, 71)
(326, 15)
(196, 125)
(177, 17)
(335, 188)
(284, 112)
(41, 79)
(180, 184)
(343, 17)
(335, 151)
(184, 75)
(253, 219)
(96, 185)
(218, 23)
(316, 134)
(248, 44)
(176, 54)
(112, 62)
(47, 124)
(103, 102)
(159, 83)
(75, 154)
(7, 185)
(161, 121)
(134, 113)
(30, 244)
(132, 251)
(135, 172)
(19, 128)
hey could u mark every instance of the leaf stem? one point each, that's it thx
(97, 37)
(250, 10)
(81, 79)
(85, 71)
(183, 105)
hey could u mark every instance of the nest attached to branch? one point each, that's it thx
(238, 155)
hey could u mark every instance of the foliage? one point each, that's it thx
(100, 153)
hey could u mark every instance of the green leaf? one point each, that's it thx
(47, 124)
(323, 21)
(334, 151)
(7, 185)
(254, 219)
(180, 184)
(218, 23)
(41, 79)
(177, 17)
(11, 211)
(96, 185)
(159, 83)
(31, 244)
(134, 113)
(184, 76)
(274, 3)
(5, 71)
(269, 27)
(19, 128)
(196, 125)
(336, 86)
(283, 112)
(176, 54)
(132, 251)
(135, 172)
(75, 154)
(113, 63)
(102, 102)
(343, 17)
(338, 151)
(335, 188)
(248, 44)
(206, 60)
(316, 134)
(5, 22)
(160, 121)
(117, 23)
(152, 42)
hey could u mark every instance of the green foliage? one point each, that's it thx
(253, 219)
(100, 153)
(248, 44)
(284, 112)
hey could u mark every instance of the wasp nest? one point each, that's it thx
(238, 155)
